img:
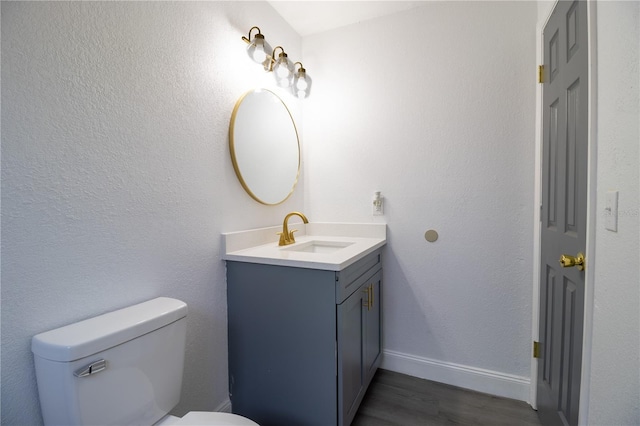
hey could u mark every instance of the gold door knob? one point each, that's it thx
(568, 261)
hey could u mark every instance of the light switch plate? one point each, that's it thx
(611, 211)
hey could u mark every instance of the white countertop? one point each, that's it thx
(261, 245)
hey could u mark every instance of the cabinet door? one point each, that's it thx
(372, 341)
(282, 344)
(351, 354)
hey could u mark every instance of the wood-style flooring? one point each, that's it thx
(398, 399)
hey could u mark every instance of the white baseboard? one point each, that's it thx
(478, 379)
(224, 407)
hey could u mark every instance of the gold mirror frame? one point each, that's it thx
(264, 147)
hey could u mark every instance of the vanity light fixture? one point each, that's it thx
(284, 72)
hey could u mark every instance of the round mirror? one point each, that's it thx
(264, 146)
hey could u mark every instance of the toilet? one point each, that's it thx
(120, 368)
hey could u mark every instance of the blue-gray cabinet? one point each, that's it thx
(304, 344)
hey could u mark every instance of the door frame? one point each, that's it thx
(591, 212)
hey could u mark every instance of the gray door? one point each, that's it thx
(564, 207)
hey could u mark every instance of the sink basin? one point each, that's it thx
(319, 246)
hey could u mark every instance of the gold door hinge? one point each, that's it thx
(536, 349)
(540, 74)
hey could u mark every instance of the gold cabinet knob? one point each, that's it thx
(568, 261)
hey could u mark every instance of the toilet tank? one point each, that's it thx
(120, 368)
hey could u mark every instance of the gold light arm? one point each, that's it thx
(248, 40)
(273, 57)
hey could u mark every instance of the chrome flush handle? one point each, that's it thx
(93, 368)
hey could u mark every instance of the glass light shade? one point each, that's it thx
(257, 50)
(283, 71)
(259, 55)
(301, 84)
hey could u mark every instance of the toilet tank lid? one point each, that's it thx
(97, 334)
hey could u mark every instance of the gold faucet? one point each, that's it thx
(286, 236)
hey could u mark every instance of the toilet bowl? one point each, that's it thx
(123, 367)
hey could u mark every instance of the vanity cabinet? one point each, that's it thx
(304, 343)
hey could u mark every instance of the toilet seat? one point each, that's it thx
(209, 418)
(206, 418)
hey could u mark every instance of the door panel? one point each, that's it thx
(573, 97)
(552, 167)
(564, 186)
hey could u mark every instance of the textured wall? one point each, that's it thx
(116, 178)
(615, 364)
(435, 107)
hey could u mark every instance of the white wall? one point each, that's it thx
(116, 177)
(435, 107)
(614, 387)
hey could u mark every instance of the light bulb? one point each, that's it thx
(282, 69)
(257, 49)
(301, 83)
(283, 82)
(259, 55)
